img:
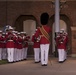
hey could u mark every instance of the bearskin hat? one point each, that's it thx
(44, 18)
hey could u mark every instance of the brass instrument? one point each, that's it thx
(62, 38)
(38, 39)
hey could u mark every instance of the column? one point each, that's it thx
(57, 28)
(57, 16)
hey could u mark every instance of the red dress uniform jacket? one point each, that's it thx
(36, 44)
(19, 42)
(10, 40)
(1, 41)
(23, 38)
(15, 40)
(26, 40)
(43, 40)
(61, 45)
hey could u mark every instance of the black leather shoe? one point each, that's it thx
(37, 62)
(61, 61)
(65, 60)
(45, 64)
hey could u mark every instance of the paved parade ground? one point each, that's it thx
(28, 67)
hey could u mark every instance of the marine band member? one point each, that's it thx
(61, 41)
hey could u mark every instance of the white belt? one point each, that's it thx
(10, 40)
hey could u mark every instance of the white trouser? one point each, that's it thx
(25, 53)
(61, 54)
(0, 53)
(65, 56)
(4, 53)
(10, 52)
(37, 54)
(20, 54)
(44, 53)
(15, 54)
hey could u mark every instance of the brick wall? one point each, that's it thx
(73, 41)
(17, 8)
(35, 8)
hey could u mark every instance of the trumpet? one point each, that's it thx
(10, 36)
(61, 40)
(38, 39)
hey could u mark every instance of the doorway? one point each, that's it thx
(28, 24)
(63, 25)
(29, 27)
(66, 23)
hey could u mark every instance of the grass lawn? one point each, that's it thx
(3, 62)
